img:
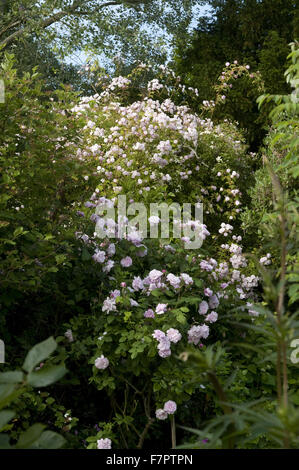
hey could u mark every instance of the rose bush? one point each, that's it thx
(157, 295)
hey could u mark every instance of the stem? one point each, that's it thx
(282, 371)
(278, 371)
(144, 433)
(173, 432)
(228, 442)
(114, 404)
(147, 410)
(220, 392)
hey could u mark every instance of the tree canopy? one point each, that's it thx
(126, 27)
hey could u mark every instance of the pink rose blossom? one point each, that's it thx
(101, 362)
(149, 313)
(170, 407)
(126, 262)
(212, 317)
(161, 308)
(161, 414)
(104, 443)
(203, 307)
(158, 335)
(173, 335)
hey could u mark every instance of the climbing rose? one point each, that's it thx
(108, 266)
(170, 407)
(173, 280)
(173, 335)
(161, 308)
(149, 313)
(212, 317)
(126, 262)
(164, 353)
(111, 249)
(203, 307)
(161, 414)
(204, 331)
(104, 443)
(109, 305)
(101, 362)
(208, 292)
(164, 344)
(158, 335)
(187, 279)
(154, 275)
(115, 293)
(137, 283)
(197, 332)
(213, 301)
(99, 256)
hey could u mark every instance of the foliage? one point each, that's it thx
(41, 182)
(281, 151)
(50, 67)
(251, 32)
(13, 386)
(275, 332)
(158, 335)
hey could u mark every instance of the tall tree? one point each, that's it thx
(237, 29)
(254, 32)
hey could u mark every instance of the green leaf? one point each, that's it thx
(49, 440)
(7, 393)
(11, 377)
(198, 282)
(127, 316)
(18, 231)
(5, 417)
(156, 292)
(38, 353)
(60, 259)
(53, 269)
(295, 398)
(46, 376)
(86, 256)
(4, 442)
(29, 437)
(181, 318)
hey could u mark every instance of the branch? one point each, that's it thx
(147, 409)
(11, 25)
(144, 432)
(47, 22)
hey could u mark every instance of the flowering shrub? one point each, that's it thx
(158, 295)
